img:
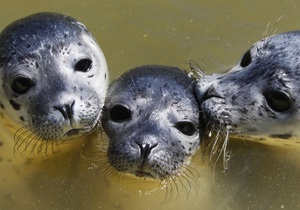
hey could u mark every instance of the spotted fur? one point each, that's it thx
(151, 119)
(54, 77)
(260, 94)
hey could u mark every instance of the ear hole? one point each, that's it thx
(119, 114)
(185, 127)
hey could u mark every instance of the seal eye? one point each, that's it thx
(186, 128)
(21, 85)
(119, 114)
(83, 65)
(246, 59)
(278, 101)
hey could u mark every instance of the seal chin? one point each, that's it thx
(143, 174)
(75, 132)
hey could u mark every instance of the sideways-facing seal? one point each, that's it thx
(53, 78)
(260, 94)
(151, 119)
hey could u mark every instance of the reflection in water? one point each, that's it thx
(260, 174)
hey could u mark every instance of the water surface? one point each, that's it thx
(260, 174)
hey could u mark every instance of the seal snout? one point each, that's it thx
(68, 113)
(67, 110)
(145, 150)
(144, 159)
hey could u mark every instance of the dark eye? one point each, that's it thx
(119, 114)
(83, 65)
(186, 128)
(21, 85)
(246, 59)
(278, 101)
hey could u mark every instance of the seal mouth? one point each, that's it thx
(75, 132)
(143, 174)
(211, 93)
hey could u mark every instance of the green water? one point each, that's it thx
(260, 175)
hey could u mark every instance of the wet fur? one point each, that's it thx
(45, 47)
(235, 102)
(158, 97)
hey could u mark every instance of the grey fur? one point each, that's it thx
(39, 54)
(151, 103)
(243, 99)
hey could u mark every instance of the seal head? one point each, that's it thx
(151, 119)
(53, 76)
(260, 94)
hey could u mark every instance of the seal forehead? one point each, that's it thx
(150, 85)
(149, 79)
(278, 47)
(269, 61)
(31, 33)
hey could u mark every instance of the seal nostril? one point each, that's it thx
(66, 110)
(210, 93)
(61, 110)
(69, 109)
(145, 149)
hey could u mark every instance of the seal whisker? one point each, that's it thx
(170, 184)
(44, 146)
(222, 151)
(19, 137)
(36, 143)
(39, 146)
(23, 55)
(188, 172)
(214, 147)
(183, 179)
(266, 32)
(196, 70)
(128, 85)
(112, 174)
(174, 182)
(30, 140)
(132, 81)
(24, 136)
(273, 29)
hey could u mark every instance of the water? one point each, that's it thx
(260, 174)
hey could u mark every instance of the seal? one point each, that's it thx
(53, 76)
(260, 94)
(151, 119)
